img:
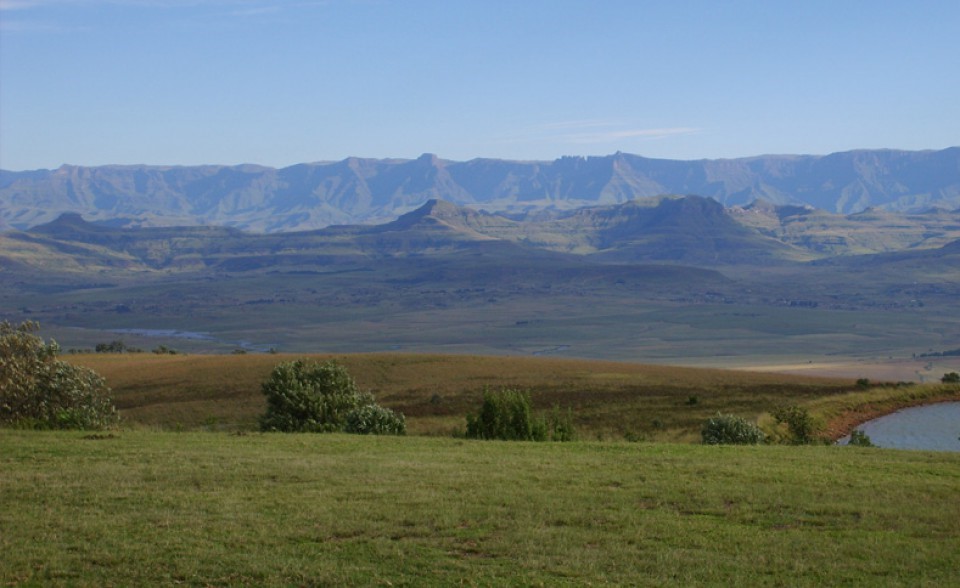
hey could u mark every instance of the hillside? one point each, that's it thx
(355, 190)
(665, 279)
(689, 230)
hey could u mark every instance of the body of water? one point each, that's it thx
(932, 427)
(165, 333)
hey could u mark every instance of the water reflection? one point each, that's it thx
(932, 427)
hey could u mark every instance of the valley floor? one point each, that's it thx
(924, 370)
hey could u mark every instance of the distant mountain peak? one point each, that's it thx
(436, 209)
(356, 190)
(429, 158)
(70, 221)
(442, 208)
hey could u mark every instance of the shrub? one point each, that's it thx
(116, 346)
(860, 439)
(505, 415)
(310, 397)
(863, 383)
(728, 429)
(508, 415)
(38, 390)
(800, 424)
(560, 425)
(951, 378)
(371, 419)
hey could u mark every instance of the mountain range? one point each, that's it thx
(365, 191)
(683, 230)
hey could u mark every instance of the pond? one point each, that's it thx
(932, 427)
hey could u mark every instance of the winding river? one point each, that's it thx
(933, 427)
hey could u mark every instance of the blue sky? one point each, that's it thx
(92, 82)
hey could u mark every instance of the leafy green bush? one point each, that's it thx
(728, 429)
(951, 378)
(310, 397)
(371, 419)
(39, 391)
(508, 415)
(800, 424)
(505, 415)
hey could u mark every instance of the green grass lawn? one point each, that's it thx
(147, 508)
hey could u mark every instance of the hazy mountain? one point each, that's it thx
(659, 277)
(873, 230)
(686, 230)
(315, 195)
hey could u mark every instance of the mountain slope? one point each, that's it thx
(687, 230)
(435, 229)
(666, 277)
(355, 190)
(870, 231)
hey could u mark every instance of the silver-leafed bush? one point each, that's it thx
(375, 420)
(728, 429)
(39, 391)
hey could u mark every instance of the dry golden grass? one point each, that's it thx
(610, 400)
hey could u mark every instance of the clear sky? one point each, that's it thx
(93, 82)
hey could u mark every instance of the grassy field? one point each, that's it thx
(211, 509)
(609, 400)
(187, 493)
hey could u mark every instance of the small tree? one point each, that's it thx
(311, 397)
(506, 415)
(728, 429)
(38, 390)
(799, 422)
(951, 378)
